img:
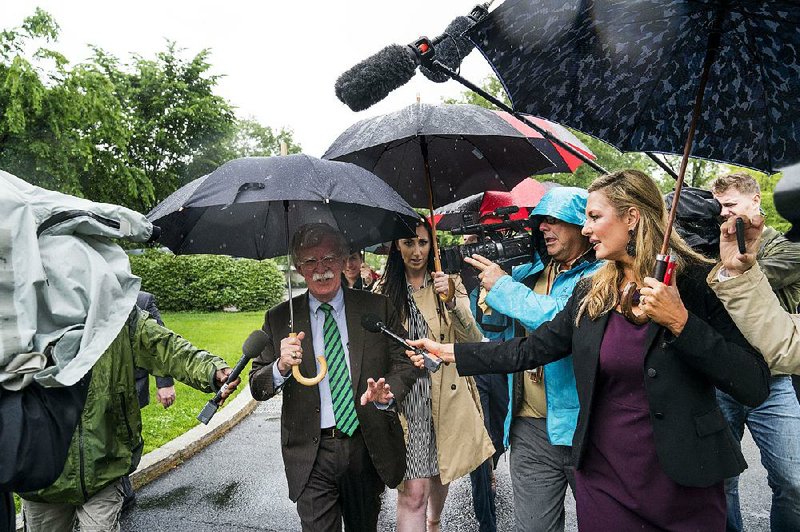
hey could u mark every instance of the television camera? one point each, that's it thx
(507, 242)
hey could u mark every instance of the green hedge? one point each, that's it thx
(208, 282)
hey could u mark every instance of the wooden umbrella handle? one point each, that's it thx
(626, 304)
(305, 381)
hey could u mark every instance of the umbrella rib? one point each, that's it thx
(386, 147)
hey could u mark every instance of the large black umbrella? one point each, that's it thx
(241, 208)
(628, 72)
(250, 208)
(718, 79)
(469, 149)
(436, 154)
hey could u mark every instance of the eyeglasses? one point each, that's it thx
(311, 264)
(549, 220)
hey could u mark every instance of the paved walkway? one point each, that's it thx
(237, 483)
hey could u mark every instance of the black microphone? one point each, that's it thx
(251, 348)
(451, 47)
(371, 80)
(373, 324)
(155, 235)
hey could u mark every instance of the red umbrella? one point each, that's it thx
(478, 207)
(564, 161)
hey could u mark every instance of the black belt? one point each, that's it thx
(333, 432)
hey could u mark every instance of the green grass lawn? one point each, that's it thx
(221, 333)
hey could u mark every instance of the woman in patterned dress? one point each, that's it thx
(445, 435)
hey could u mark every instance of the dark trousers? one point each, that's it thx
(493, 391)
(343, 485)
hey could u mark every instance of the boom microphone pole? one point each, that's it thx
(371, 80)
(251, 348)
(373, 324)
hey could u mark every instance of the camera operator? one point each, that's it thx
(544, 418)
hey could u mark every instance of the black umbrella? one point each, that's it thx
(436, 154)
(240, 208)
(636, 73)
(470, 149)
(628, 72)
(250, 208)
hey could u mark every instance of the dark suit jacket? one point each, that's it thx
(371, 355)
(694, 444)
(147, 302)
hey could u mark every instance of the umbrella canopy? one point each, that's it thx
(478, 207)
(563, 161)
(628, 72)
(240, 208)
(470, 149)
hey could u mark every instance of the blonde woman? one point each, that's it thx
(445, 434)
(652, 447)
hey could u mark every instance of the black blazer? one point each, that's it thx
(694, 444)
(371, 355)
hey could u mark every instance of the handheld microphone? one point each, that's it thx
(155, 235)
(373, 324)
(251, 348)
(740, 236)
(371, 80)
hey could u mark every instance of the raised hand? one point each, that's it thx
(734, 262)
(291, 352)
(377, 392)
(663, 304)
(443, 351)
(489, 272)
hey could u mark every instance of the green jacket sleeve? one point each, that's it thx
(163, 352)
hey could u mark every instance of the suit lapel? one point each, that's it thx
(355, 337)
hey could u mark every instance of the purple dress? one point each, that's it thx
(621, 485)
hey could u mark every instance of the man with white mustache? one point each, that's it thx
(544, 402)
(341, 439)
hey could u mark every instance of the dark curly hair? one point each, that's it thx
(393, 282)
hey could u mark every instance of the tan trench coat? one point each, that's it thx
(461, 438)
(756, 311)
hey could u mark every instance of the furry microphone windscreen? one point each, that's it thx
(371, 80)
(450, 48)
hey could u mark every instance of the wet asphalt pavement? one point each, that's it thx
(238, 483)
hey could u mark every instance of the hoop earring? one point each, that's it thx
(630, 248)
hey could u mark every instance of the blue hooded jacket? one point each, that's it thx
(509, 296)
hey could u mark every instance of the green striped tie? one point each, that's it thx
(344, 407)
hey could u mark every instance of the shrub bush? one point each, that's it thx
(208, 282)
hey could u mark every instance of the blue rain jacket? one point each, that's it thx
(509, 296)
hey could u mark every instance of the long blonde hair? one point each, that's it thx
(625, 189)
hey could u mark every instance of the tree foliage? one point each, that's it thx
(128, 133)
